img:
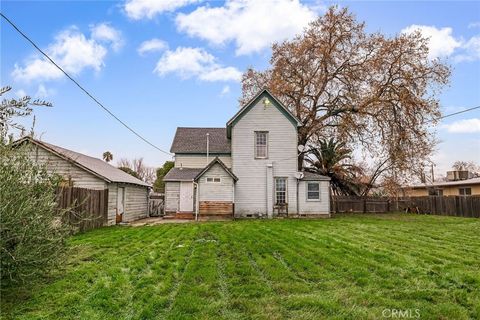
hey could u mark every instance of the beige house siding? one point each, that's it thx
(55, 164)
(253, 190)
(172, 196)
(222, 191)
(199, 161)
(447, 190)
(314, 207)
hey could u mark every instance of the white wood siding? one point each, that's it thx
(55, 164)
(251, 187)
(136, 202)
(314, 207)
(199, 161)
(172, 196)
(222, 191)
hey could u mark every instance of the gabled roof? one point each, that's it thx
(311, 176)
(95, 166)
(211, 164)
(194, 140)
(182, 174)
(262, 94)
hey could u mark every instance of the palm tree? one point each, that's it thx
(329, 158)
(107, 156)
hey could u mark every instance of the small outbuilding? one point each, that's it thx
(127, 195)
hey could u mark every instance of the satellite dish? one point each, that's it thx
(301, 148)
(299, 175)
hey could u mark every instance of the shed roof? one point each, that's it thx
(310, 176)
(97, 167)
(465, 182)
(182, 174)
(194, 140)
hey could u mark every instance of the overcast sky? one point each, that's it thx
(169, 63)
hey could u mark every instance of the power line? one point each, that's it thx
(82, 88)
(455, 113)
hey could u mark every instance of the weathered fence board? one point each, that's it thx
(156, 203)
(86, 209)
(461, 206)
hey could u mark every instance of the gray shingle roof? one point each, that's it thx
(194, 140)
(310, 176)
(182, 174)
(96, 166)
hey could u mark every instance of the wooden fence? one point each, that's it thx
(86, 209)
(461, 206)
(156, 203)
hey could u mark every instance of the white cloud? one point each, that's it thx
(20, 93)
(151, 46)
(471, 50)
(225, 90)
(195, 62)
(72, 51)
(441, 44)
(252, 25)
(43, 92)
(139, 9)
(475, 24)
(463, 126)
(104, 32)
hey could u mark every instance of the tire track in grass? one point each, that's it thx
(439, 291)
(130, 266)
(250, 295)
(177, 282)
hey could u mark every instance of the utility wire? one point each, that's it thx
(453, 114)
(82, 88)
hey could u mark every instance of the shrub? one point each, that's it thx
(32, 233)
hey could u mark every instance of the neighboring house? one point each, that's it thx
(247, 169)
(459, 183)
(127, 195)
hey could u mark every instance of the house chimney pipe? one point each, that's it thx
(208, 145)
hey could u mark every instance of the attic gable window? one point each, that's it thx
(261, 144)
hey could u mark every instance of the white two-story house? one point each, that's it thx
(247, 169)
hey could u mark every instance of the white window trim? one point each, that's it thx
(275, 189)
(306, 191)
(255, 144)
(213, 180)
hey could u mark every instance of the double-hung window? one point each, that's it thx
(313, 191)
(280, 191)
(465, 191)
(261, 144)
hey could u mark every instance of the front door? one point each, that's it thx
(186, 196)
(120, 204)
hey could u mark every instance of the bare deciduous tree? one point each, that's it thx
(374, 92)
(138, 166)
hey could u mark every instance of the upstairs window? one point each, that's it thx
(261, 144)
(313, 191)
(465, 191)
(213, 180)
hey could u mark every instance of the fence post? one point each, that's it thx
(364, 205)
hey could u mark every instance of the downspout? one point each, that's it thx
(195, 185)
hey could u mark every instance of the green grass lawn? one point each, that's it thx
(349, 267)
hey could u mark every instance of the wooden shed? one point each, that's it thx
(127, 195)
